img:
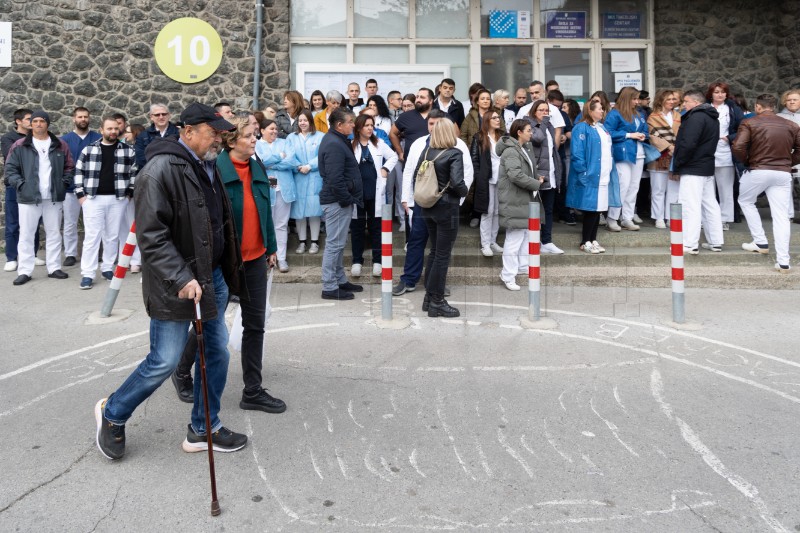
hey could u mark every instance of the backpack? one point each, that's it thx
(426, 188)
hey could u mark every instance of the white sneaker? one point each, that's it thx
(636, 219)
(753, 247)
(402, 228)
(660, 224)
(611, 225)
(726, 226)
(355, 270)
(551, 248)
(301, 249)
(510, 285)
(599, 248)
(629, 225)
(314, 248)
(487, 251)
(690, 251)
(39, 262)
(377, 269)
(11, 266)
(783, 269)
(496, 248)
(283, 266)
(602, 220)
(712, 247)
(589, 248)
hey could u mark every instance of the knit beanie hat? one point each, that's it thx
(41, 114)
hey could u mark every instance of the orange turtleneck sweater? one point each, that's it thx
(252, 240)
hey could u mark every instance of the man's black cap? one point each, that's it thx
(198, 113)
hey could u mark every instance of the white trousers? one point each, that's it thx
(125, 229)
(515, 253)
(280, 219)
(102, 216)
(72, 210)
(724, 177)
(29, 215)
(630, 174)
(663, 193)
(778, 186)
(700, 208)
(490, 221)
(302, 226)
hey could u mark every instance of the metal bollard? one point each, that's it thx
(676, 241)
(119, 273)
(386, 261)
(534, 266)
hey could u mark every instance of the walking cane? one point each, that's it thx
(198, 328)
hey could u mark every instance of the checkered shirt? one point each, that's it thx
(87, 170)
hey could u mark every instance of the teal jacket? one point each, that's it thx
(235, 190)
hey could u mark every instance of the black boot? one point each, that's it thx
(426, 302)
(442, 308)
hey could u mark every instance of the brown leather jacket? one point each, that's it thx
(766, 142)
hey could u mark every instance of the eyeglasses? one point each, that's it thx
(159, 114)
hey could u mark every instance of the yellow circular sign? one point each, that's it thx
(188, 50)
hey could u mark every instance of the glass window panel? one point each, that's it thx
(565, 19)
(380, 18)
(312, 53)
(506, 67)
(319, 18)
(623, 19)
(380, 54)
(458, 59)
(437, 19)
(570, 67)
(612, 81)
(504, 5)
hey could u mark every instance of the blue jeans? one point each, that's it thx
(415, 251)
(12, 226)
(337, 222)
(167, 339)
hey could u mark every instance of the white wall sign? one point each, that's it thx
(570, 85)
(627, 79)
(5, 44)
(625, 61)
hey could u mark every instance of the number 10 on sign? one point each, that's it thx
(188, 50)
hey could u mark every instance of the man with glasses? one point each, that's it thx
(395, 102)
(160, 128)
(192, 257)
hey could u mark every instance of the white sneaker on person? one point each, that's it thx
(10, 266)
(660, 224)
(636, 219)
(712, 247)
(551, 248)
(39, 262)
(510, 285)
(487, 251)
(589, 248)
(355, 270)
(301, 249)
(629, 225)
(726, 226)
(377, 269)
(783, 269)
(599, 248)
(690, 251)
(602, 220)
(611, 225)
(496, 248)
(753, 247)
(314, 248)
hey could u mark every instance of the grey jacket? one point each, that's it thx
(22, 170)
(516, 182)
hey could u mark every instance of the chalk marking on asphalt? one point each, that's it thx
(527, 446)
(340, 461)
(126, 367)
(484, 460)
(576, 366)
(392, 400)
(446, 428)
(333, 405)
(588, 434)
(415, 323)
(573, 502)
(552, 443)
(314, 463)
(46, 395)
(613, 428)
(441, 369)
(303, 327)
(560, 402)
(371, 468)
(55, 358)
(747, 489)
(501, 438)
(330, 422)
(350, 412)
(503, 418)
(674, 497)
(595, 470)
(619, 401)
(299, 307)
(413, 460)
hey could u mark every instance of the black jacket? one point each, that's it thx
(696, 142)
(455, 112)
(22, 170)
(173, 230)
(482, 165)
(148, 136)
(341, 179)
(449, 169)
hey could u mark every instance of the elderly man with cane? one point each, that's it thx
(192, 257)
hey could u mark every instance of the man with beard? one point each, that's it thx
(192, 256)
(412, 125)
(77, 140)
(103, 184)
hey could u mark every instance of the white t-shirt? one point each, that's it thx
(45, 169)
(495, 161)
(723, 156)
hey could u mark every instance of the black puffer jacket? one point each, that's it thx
(341, 179)
(696, 142)
(449, 169)
(173, 230)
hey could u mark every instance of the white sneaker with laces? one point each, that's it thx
(551, 248)
(10, 266)
(301, 249)
(496, 248)
(660, 224)
(377, 269)
(712, 247)
(783, 269)
(636, 219)
(487, 251)
(314, 248)
(611, 225)
(598, 247)
(355, 270)
(589, 248)
(753, 247)
(510, 285)
(690, 251)
(629, 225)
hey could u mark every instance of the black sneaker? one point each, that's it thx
(262, 401)
(224, 440)
(58, 274)
(184, 386)
(22, 279)
(338, 294)
(402, 288)
(69, 261)
(110, 437)
(351, 287)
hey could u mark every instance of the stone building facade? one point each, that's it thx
(99, 53)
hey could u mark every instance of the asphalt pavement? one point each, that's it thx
(610, 421)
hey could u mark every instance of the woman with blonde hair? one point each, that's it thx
(500, 99)
(442, 217)
(663, 124)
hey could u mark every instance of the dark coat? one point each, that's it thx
(173, 230)
(482, 165)
(696, 142)
(149, 135)
(341, 179)
(22, 170)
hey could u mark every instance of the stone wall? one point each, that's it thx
(752, 46)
